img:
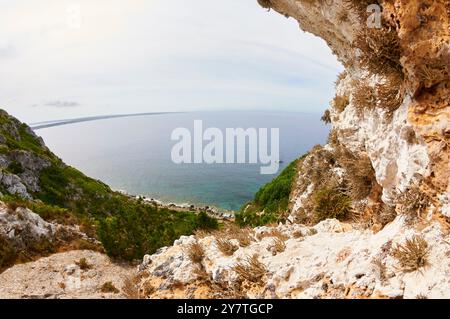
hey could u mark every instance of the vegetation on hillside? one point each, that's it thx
(271, 201)
(127, 228)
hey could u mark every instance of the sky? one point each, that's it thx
(65, 59)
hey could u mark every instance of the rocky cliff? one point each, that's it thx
(369, 212)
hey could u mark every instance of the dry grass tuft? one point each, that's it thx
(413, 254)
(273, 233)
(390, 94)
(340, 103)
(360, 175)
(409, 135)
(413, 202)
(380, 49)
(108, 287)
(380, 268)
(277, 246)
(359, 6)
(364, 97)
(298, 234)
(386, 215)
(244, 237)
(83, 264)
(326, 117)
(331, 202)
(341, 76)
(201, 233)
(226, 246)
(251, 269)
(195, 253)
(130, 287)
(266, 4)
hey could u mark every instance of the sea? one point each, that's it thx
(133, 154)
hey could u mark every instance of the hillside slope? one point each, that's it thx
(31, 176)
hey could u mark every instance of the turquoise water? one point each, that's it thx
(134, 154)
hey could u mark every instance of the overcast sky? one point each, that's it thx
(156, 55)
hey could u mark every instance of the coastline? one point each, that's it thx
(213, 211)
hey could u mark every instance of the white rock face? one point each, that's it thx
(335, 261)
(22, 224)
(395, 161)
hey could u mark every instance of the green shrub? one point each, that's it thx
(15, 168)
(135, 230)
(271, 201)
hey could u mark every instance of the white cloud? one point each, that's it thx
(160, 55)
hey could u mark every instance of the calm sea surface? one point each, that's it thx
(134, 154)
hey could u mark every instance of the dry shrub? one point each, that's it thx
(340, 103)
(343, 16)
(359, 6)
(8, 253)
(83, 264)
(331, 202)
(341, 76)
(244, 237)
(413, 202)
(298, 234)
(333, 139)
(251, 269)
(277, 246)
(108, 287)
(130, 287)
(195, 253)
(409, 135)
(390, 94)
(380, 268)
(380, 49)
(266, 4)
(201, 233)
(360, 175)
(273, 233)
(413, 254)
(363, 96)
(432, 72)
(386, 215)
(326, 117)
(232, 231)
(226, 246)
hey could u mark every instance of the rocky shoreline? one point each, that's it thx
(210, 210)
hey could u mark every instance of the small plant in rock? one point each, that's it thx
(380, 267)
(340, 103)
(413, 202)
(386, 215)
(108, 287)
(226, 246)
(364, 97)
(130, 287)
(244, 237)
(413, 254)
(326, 117)
(195, 253)
(251, 269)
(331, 202)
(409, 135)
(83, 264)
(273, 233)
(266, 4)
(277, 246)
